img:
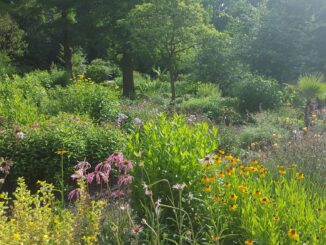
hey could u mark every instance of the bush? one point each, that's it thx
(49, 79)
(20, 99)
(100, 71)
(6, 67)
(35, 156)
(256, 93)
(99, 102)
(168, 149)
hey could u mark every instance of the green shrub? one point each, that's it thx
(97, 101)
(256, 93)
(35, 156)
(169, 149)
(100, 71)
(49, 79)
(205, 90)
(20, 99)
(6, 67)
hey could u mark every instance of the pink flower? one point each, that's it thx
(103, 167)
(83, 165)
(148, 192)
(117, 193)
(137, 229)
(5, 165)
(96, 174)
(105, 177)
(74, 193)
(78, 174)
(20, 135)
(125, 166)
(125, 179)
(116, 158)
(179, 186)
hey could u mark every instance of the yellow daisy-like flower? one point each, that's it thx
(251, 169)
(282, 171)
(233, 197)
(305, 129)
(217, 198)
(275, 218)
(211, 179)
(240, 165)
(323, 228)
(221, 175)
(233, 207)
(244, 173)
(256, 193)
(249, 242)
(207, 188)
(237, 159)
(205, 179)
(293, 234)
(227, 185)
(230, 171)
(222, 152)
(254, 162)
(299, 176)
(233, 161)
(229, 157)
(264, 200)
(243, 188)
(61, 152)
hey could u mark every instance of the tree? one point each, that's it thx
(170, 29)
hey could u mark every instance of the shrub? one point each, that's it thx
(35, 156)
(35, 219)
(169, 149)
(49, 79)
(100, 71)
(20, 99)
(256, 93)
(6, 67)
(99, 102)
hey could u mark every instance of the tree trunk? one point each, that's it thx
(67, 51)
(128, 86)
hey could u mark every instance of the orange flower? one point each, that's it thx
(205, 179)
(251, 169)
(208, 188)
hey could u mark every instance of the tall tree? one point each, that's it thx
(172, 29)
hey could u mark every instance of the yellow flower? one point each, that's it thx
(256, 193)
(282, 171)
(205, 179)
(240, 165)
(218, 160)
(217, 198)
(211, 179)
(229, 157)
(237, 159)
(222, 152)
(61, 152)
(16, 236)
(264, 200)
(208, 188)
(249, 242)
(243, 188)
(287, 120)
(227, 185)
(221, 175)
(230, 171)
(275, 218)
(233, 207)
(233, 197)
(254, 162)
(251, 169)
(323, 228)
(299, 176)
(305, 129)
(293, 234)
(244, 173)
(216, 238)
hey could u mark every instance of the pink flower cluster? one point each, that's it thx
(101, 174)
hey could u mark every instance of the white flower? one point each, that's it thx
(20, 135)
(179, 186)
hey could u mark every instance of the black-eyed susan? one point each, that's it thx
(264, 200)
(227, 184)
(282, 171)
(222, 152)
(221, 175)
(243, 188)
(249, 242)
(233, 197)
(323, 228)
(229, 157)
(218, 198)
(218, 160)
(299, 176)
(256, 193)
(237, 159)
(207, 188)
(251, 169)
(205, 179)
(244, 173)
(293, 235)
(240, 165)
(230, 171)
(254, 162)
(211, 179)
(233, 207)
(305, 130)
(276, 218)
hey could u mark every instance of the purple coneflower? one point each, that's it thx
(5, 165)
(125, 166)
(96, 174)
(125, 179)
(118, 193)
(116, 158)
(137, 229)
(74, 193)
(78, 174)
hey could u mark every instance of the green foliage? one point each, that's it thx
(82, 97)
(256, 93)
(35, 155)
(168, 149)
(21, 98)
(78, 62)
(312, 86)
(6, 67)
(100, 71)
(49, 79)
